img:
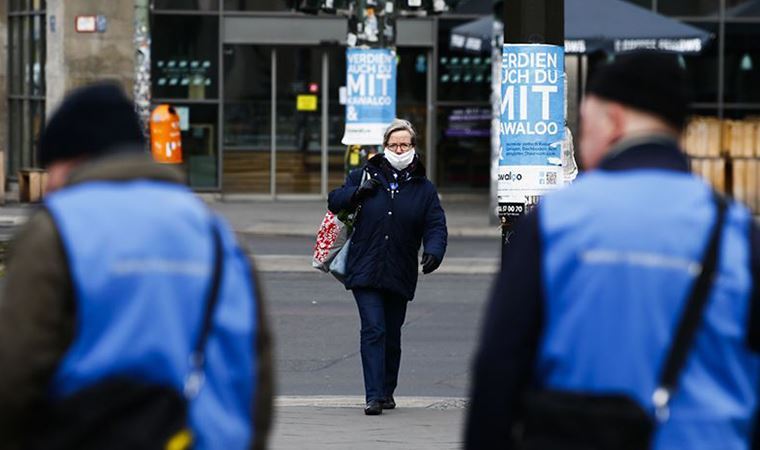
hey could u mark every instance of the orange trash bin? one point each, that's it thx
(165, 135)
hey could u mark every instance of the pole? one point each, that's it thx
(142, 67)
(529, 22)
(372, 25)
(534, 22)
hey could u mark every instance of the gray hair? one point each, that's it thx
(399, 125)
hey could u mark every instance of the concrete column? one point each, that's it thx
(55, 68)
(75, 59)
(142, 62)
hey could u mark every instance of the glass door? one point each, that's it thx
(463, 110)
(273, 120)
(298, 124)
(336, 118)
(248, 142)
(412, 92)
(283, 121)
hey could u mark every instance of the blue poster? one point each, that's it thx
(532, 125)
(370, 95)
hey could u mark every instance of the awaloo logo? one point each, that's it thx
(510, 176)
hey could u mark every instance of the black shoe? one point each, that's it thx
(373, 408)
(389, 403)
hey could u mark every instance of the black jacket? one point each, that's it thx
(390, 227)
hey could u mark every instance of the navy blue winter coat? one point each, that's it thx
(391, 226)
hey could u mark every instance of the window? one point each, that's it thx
(464, 149)
(473, 7)
(26, 81)
(742, 8)
(27, 5)
(247, 118)
(742, 63)
(691, 8)
(185, 74)
(461, 76)
(411, 91)
(199, 144)
(259, 5)
(299, 131)
(748, 114)
(185, 56)
(200, 5)
(247, 97)
(336, 124)
(703, 68)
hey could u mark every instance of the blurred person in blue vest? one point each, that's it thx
(593, 284)
(109, 279)
(400, 211)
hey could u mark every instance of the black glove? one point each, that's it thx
(429, 263)
(366, 190)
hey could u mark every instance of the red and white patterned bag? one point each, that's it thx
(331, 237)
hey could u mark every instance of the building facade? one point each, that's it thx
(725, 75)
(46, 57)
(234, 70)
(253, 58)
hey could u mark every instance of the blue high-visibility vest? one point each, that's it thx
(620, 254)
(140, 254)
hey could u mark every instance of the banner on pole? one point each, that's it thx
(532, 125)
(370, 95)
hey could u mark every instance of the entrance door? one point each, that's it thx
(412, 92)
(463, 117)
(248, 104)
(273, 123)
(298, 120)
(282, 118)
(283, 121)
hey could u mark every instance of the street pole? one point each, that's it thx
(529, 22)
(372, 27)
(372, 30)
(534, 22)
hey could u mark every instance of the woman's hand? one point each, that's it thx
(366, 189)
(429, 263)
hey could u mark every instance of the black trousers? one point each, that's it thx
(382, 315)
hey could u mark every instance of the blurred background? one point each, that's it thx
(233, 69)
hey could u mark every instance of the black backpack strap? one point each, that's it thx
(198, 357)
(692, 316)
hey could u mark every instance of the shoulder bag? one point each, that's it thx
(334, 239)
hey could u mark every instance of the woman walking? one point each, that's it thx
(399, 212)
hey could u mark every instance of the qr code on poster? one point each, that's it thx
(551, 178)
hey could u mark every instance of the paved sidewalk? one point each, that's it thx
(302, 264)
(466, 217)
(317, 423)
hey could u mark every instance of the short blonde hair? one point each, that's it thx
(399, 125)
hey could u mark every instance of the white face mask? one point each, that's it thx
(400, 162)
